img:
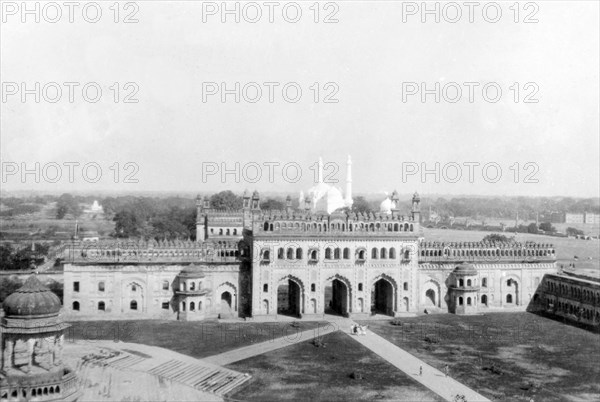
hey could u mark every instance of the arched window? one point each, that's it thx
(313, 287)
(461, 282)
(374, 253)
(165, 285)
(101, 306)
(468, 301)
(235, 234)
(484, 282)
(406, 254)
(100, 286)
(133, 305)
(313, 255)
(328, 253)
(298, 253)
(280, 253)
(484, 299)
(290, 253)
(392, 253)
(266, 226)
(383, 253)
(405, 286)
(361, 255)
(75, 306)
(509, 298)
(468, 282)
(192, 306)
(346, 253)
(460, 301)
(336, 253)
(193, 286)
(182, 306)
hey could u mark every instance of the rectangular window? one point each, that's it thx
(165, 285)
(360, 287)
(165, 305)
(75, 286)
(484, 282)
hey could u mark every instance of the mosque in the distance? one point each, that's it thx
(319, 258)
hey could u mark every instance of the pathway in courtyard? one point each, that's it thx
(268, 346)
(432, 378)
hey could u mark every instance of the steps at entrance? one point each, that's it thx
(214, 379)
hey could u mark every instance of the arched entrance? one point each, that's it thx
(337, 296)
(289, 299)
(382, 297)
(430, 299)
(226, 304)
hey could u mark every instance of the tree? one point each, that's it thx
(547, 227)
(272, 204)
(226, 200)
(574, 232)
(67, 204)
(361, 205)
(495, 237)
(532, 228)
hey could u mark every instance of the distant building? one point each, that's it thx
(590, 218)
(574, 218)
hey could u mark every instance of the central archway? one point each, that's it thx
(289, 299)
(382, 297)
(337, 297)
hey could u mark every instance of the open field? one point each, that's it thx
(566, 248)
(196, 339)
(325, 373)
(41, 221)
(505, 356)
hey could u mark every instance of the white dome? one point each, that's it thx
(386, 206)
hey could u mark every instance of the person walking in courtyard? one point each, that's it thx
(446, 370)
(420, 371)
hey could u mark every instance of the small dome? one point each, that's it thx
(465, 269)
(31, 299)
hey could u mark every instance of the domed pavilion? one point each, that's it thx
(32, 347)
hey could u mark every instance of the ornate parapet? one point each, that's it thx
(486, 252)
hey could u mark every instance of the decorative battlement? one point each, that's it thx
(142, 251)
(485, 251)
(281, 222)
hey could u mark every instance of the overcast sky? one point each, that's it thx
(172, 133)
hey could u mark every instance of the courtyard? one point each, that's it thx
(504, 356)
(516, 356)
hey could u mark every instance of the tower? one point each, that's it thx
(348, 199)
(255, 206)
(288, 204)
(201, 218)
(416, 210)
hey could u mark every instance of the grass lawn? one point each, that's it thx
(505, 356)
(325, 373)
(196, 339)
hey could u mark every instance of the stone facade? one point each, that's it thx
(301, 263)
(573, 297)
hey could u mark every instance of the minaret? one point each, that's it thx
(320, 172)
(349, 182)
